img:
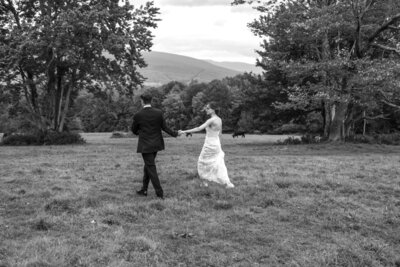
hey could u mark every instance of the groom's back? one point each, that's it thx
(148, 124)
(150, 120)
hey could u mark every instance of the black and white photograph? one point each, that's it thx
(199, 133)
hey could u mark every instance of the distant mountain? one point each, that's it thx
(238, 66)
(165, 67)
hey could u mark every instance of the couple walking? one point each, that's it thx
(148, 124)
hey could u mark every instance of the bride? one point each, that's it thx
(211, 164)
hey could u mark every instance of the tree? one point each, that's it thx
(174, 110)
(253, 99)
(103, 114)
(199, 116)
(187, 96)
(218, 92)
(51, 50)
(325, 47)
(172, 87)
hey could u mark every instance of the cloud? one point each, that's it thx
(206, 3)
(220, 50)
(244, 9)
(198, 3)
(219, 23)
(206, 29)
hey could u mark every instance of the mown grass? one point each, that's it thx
(308, 205)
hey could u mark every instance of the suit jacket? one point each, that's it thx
(148, 123)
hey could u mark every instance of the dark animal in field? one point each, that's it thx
(239, 133)
(5, 135)
(188, 134)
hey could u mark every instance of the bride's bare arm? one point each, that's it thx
(200, 128)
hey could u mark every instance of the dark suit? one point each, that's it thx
(148, 124)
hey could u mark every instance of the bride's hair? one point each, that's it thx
(213, 105)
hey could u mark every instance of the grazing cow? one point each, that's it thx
(5, 135)
(188, 134)
(317, 139)
(238, 133)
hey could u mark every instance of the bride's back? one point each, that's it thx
(214, 127)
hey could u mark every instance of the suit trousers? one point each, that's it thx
(150, 173)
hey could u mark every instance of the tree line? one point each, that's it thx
(340, 58)
(330, 67)
(244, 103)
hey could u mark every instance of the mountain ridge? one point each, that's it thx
(238, 66)
(166, 67)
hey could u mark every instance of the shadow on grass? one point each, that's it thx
(59, 206)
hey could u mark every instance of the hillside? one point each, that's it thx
(165, 67)
(238, 66)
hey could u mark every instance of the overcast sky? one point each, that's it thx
(205, 29)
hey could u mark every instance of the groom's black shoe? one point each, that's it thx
(160, 196)
(142, 192)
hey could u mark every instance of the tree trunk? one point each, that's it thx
(58, 103)
(325, 46)
(325, 54)
(364, 123)
(323, 114)
(69, 86)
(326, 118)
(32, 86)
(349, 121)
(31, 96)
(52, 99)
(64, 112)
(337, 130)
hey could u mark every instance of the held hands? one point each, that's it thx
(187, 133)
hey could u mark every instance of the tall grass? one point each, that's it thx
(308, 205)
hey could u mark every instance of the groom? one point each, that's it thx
(148, 123)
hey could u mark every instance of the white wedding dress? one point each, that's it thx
(211, 164)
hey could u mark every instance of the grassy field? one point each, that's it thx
(308, 205)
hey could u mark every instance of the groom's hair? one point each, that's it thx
(146, 97)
